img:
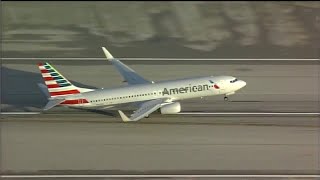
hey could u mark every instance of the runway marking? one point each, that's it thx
(157, 176)
(199, 113)
(19, 113)
(248, 113)
(166, 59)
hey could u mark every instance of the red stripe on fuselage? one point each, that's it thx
(75, 101)
(75, 91)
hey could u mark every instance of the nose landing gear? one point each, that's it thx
(226, 96)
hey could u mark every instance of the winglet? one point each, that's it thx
(124, 117)
(107, 53)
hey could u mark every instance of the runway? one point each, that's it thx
(100, 144)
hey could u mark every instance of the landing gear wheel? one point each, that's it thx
(226, 98)
(146, 116)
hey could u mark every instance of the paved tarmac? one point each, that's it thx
(96, 143)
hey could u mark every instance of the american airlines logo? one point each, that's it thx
(187, 89)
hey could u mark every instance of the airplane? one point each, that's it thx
(147, 96)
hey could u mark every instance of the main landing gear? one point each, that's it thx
(226, 98)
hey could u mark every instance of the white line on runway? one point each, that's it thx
(19, 113)
(248, 113)
(166, 59)
(200, 113)
(157, 176)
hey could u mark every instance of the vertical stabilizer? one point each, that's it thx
(56, 83)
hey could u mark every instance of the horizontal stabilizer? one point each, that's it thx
(52, 103)
(44, 89)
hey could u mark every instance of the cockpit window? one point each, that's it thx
(211, 81)
(235, 80)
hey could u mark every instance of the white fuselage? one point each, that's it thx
(173, 90)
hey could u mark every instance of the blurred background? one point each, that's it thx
(161, 29)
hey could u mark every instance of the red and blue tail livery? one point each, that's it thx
(56, 83)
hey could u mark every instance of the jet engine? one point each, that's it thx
(172, 108)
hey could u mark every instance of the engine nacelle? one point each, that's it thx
(172, 108)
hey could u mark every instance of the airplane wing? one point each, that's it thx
(145, 109)
(127, 73)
